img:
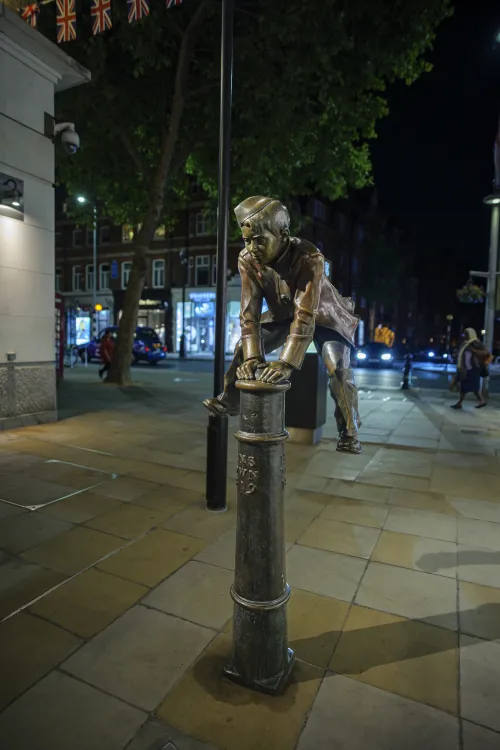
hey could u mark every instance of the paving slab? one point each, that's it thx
(337, 536)
(81, 507)
(29, 649)
(422, 523)
(74, 550)
(155, 735)
(405, 657)
(233, 718)
(479, 683)
(197, 592)
(21, 582)
(479, 738)
(154, 557)
(140, 656)
(350, 715)
(23, 532)
(61, 713)
(86, 604)
(409, 593)
(417, 553)
(324, 573)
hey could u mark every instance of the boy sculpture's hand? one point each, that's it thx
(274, 372)
(246, 371)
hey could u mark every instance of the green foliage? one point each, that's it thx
(309, 82)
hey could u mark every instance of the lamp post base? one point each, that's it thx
(269, 686)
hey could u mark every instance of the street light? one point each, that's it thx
(82, 199)
(218, 426)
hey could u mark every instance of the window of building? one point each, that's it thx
(58, 279)
(158, 274)
(59, 242)
(319, 210)
(126, 268)
(341, 222)
(104, 235)
(77, 237)
(202, 270)
(77, 278)
(104, 276)
(89, 278)
(190, 271)
(160, 233)
(214, 270)
(90, 237)
(127, 233)
(205, 224)
(201, 224)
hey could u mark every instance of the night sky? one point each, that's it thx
(433, 160)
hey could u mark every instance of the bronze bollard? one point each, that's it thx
(261, 659)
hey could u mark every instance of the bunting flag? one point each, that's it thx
(101, 16)
(30, 13)
(66, 21)
(171, 3)
(137, 9)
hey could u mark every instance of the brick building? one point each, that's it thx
(182, 265)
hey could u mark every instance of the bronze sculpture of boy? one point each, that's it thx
(303, 306)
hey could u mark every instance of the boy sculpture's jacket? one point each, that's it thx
(296, 289)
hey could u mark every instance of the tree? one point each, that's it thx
(309, 79)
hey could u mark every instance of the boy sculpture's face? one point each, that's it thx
(264, 245)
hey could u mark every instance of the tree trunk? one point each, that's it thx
(119, 371)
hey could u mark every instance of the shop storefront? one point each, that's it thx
(154, 309)
(198, 318)
(78, 317)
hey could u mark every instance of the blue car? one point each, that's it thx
(147, 346)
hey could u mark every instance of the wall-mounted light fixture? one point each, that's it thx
(11, 197)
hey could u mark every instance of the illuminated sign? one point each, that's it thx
(202, 296)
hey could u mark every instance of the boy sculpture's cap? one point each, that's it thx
(251, 206)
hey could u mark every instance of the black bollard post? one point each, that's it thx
(261, 659)
(407, 373)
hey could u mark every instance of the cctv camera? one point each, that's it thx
(69, 137)
(70, 141)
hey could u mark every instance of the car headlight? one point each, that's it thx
(361, 355)
(386, 357)
(430, 354)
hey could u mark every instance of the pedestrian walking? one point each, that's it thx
(472, 365)
(107, 347)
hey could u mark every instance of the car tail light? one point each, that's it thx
(164, 348)
(146, 348)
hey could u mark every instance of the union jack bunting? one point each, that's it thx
(101, 16)
(30, 13)
(66, 21)
(171, 3)
(137, 9)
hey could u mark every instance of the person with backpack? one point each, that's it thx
(472, 365)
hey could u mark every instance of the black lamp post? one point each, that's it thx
(218, 426)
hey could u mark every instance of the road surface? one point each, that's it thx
(366, 378)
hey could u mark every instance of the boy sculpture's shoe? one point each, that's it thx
(218, 408)
(349, 444)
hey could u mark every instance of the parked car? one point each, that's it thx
(147, 346)
(374, 355)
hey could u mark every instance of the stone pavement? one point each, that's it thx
(114, 585)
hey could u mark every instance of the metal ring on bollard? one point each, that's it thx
(261, 606)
